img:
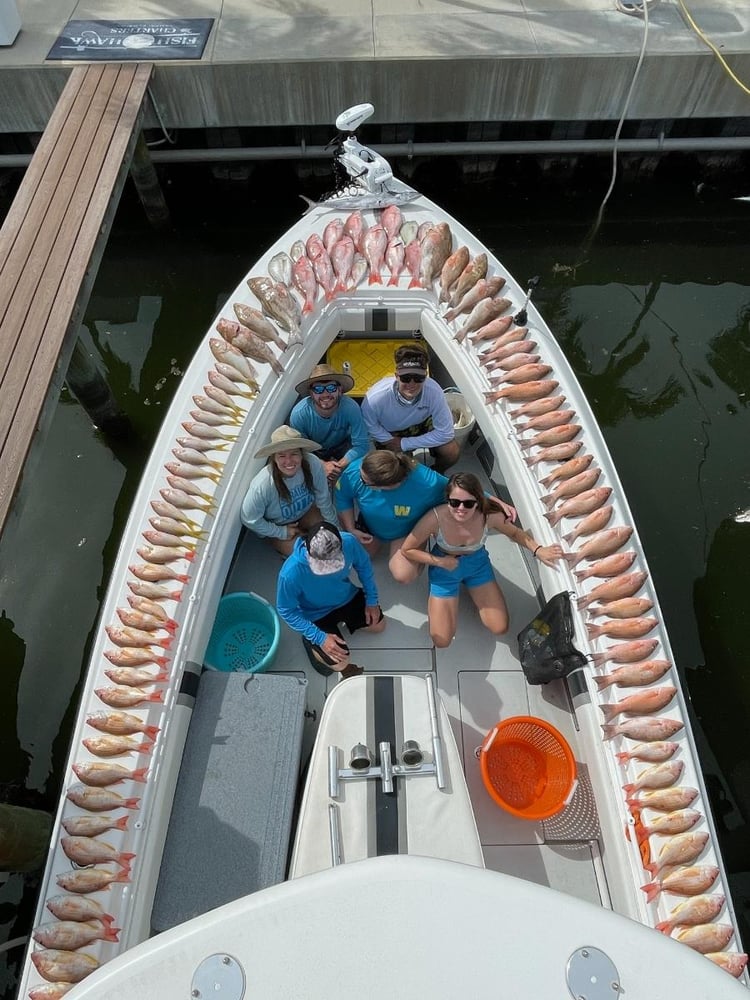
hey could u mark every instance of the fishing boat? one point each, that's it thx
(282, 833)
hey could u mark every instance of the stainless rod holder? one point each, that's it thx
(333, 771)
(386, 767)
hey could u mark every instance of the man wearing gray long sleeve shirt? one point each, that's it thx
(410, 411)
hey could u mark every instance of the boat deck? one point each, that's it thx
(564, 852)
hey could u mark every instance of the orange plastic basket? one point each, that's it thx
(527, 767)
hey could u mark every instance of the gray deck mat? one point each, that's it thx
(232, 815)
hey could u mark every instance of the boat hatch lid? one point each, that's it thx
(408, 926)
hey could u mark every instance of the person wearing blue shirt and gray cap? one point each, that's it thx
(315, 595)
(410, 411)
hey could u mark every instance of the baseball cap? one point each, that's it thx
(325, 554)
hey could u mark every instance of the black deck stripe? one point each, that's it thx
(386, 805)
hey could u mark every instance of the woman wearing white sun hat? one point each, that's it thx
(290, 493)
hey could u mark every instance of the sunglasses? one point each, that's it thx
(455, 503)
(330, 387)
(417, 379)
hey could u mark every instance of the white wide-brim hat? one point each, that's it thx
(286, 438)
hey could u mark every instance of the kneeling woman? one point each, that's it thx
(459, 529)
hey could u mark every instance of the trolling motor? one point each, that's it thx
(522, 315)
(369, 169)
(364, 178)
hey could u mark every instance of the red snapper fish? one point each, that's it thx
(625, 628)
(731, 961)
(485, 288)
(649, 753)
(323, 270)
(99, 799)
(342, 259)
(78, 908)
(148, 621)
(669, 824)
(262, 327)
(648, 700)
(553, 435)
(391, 219)
(120, 724)
(115, 746)
(706, 937)
(91, 851)
(134, 677)
(656, 776)
(532, 390)
(69, 934)
(690, 881)
(611, 566)
(374, 243)
(584, 503)
(625, 607)
(603, 543)
(537, 407)
(91, 826)
(555, 453)
(251, 346)
(474, 271)
(354, 227)
(59, 966)
(332, 234)
(304, 281)
(483, 312)
(625, 585)
(451, 271)
(127, 656)
(644, 729)
(500, 333)
(573, 487)
(545, 421)
(91, 879)
(126, 697)
(634, 674)
(682, 849)
(436, 249)
(510, 353)
(99, 775)
(394, 258)
(413, 261)
(663, 799)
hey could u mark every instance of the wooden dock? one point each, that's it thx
(51, 245)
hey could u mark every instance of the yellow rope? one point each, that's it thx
(711, 46)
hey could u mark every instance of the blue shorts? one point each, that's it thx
(474, 569)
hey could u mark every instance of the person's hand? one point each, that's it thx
(335, 647)
(510, 512)
(333, 471)
(292, 530)
(549, 554)
(394, 444)
(448, 563)
(373, 614)
(362, 536)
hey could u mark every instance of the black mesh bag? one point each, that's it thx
(545, 646)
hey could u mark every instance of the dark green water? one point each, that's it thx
(654, 315)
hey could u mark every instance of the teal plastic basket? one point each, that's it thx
(245, 635)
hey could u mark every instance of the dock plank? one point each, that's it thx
(49, 243)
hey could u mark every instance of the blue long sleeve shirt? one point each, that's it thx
(345, 424)
(303, 597)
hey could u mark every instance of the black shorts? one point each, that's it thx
(335, 453)
(351, 614)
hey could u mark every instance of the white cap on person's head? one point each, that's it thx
(325, 553)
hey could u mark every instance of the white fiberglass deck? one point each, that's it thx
(562, 853)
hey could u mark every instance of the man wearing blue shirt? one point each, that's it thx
(315, 593)
(332, 419)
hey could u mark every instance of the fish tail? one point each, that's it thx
(170, 625)
(140, 774)
(630, 787)
(166, 642)
(652, 868)
(163, 675)
(652, 890)
(182, 577)
(161, 661)
(190, 554)
(122, 822)
(597, 659)
(307, 308)
(571, 558)
(111, 934)
(175, 595)
(131, 803)
(374, 278)
(603, 682)
(108, 920)
(553, 517)
(665, 926)
(122, 876)
(609, 712)
(609, 731)
(151, 731)
(416, 283)
(592, 630)
(623, 756)
(145, 747)
(154, 696)
(393, 280)
(124, 861)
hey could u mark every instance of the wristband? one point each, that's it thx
(536, 550)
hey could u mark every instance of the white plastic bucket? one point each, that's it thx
(463, 418)
(10, 22)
